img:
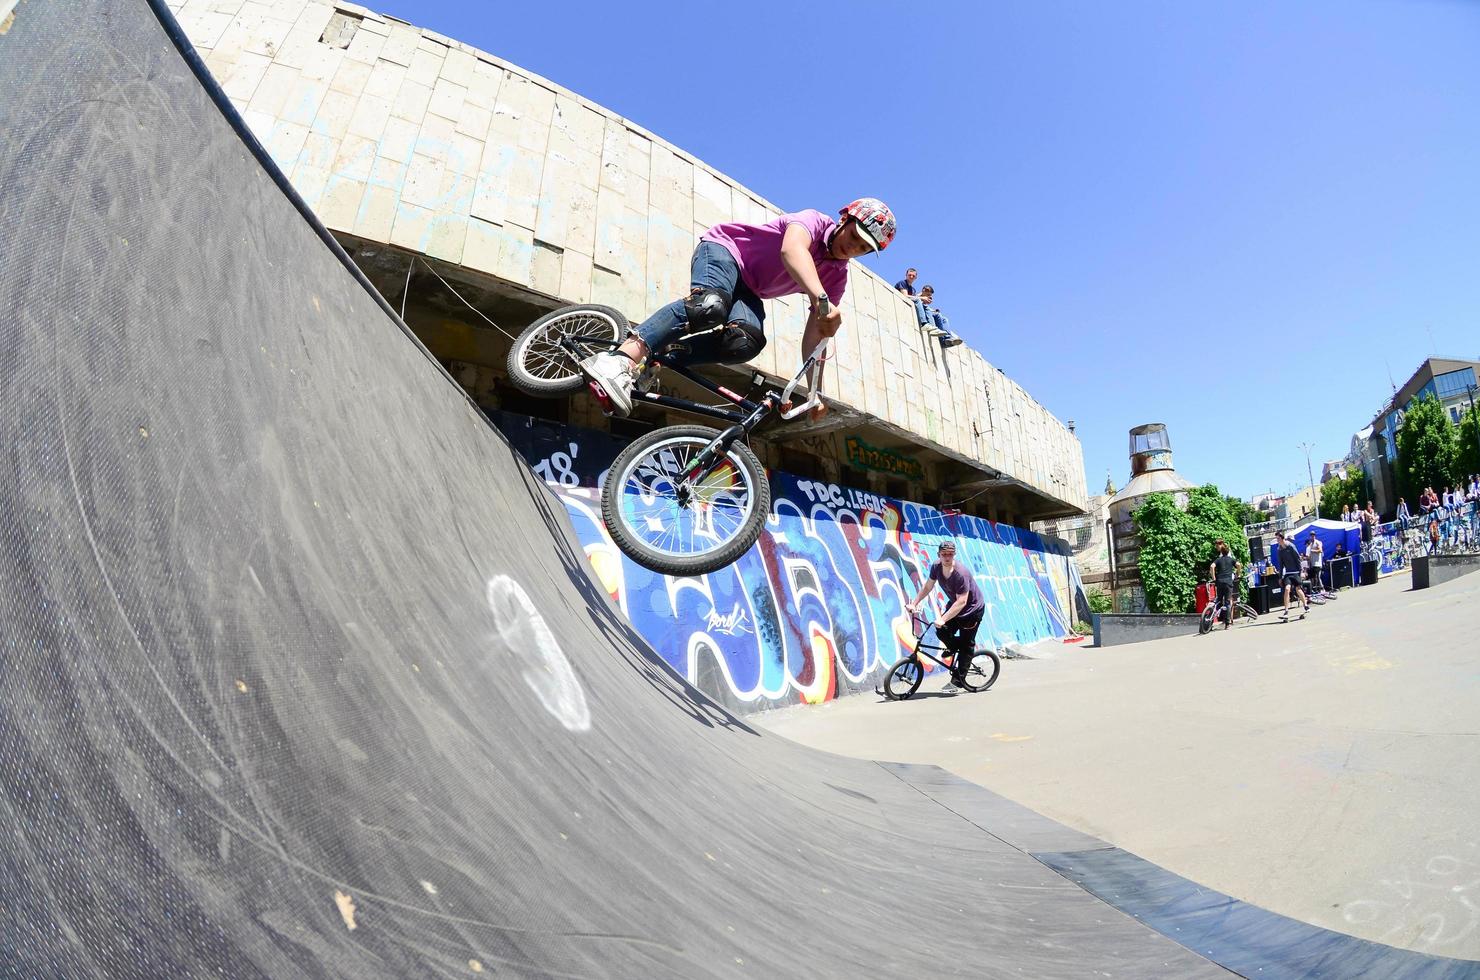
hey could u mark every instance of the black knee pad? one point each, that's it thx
(707, 308)
(739, 342)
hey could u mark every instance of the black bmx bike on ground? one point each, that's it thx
(905, 676)
(682, 499)
(1218, 610)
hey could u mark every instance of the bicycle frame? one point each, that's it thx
(743, 419)
(666, 358)
(921, 646)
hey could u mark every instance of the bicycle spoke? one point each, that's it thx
(716, 507)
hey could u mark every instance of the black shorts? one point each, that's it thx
(1315, 574)
(1291, 580)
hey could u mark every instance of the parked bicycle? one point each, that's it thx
(682, 499)
(905, 676)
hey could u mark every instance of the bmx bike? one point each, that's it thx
(1216, 611)
(905, 676)
(682, 499)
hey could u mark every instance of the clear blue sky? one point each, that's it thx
(1237, 218)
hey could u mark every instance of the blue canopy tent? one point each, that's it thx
(1331, 534)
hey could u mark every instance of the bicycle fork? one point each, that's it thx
(711, 454)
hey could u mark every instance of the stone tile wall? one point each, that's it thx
(399, 135)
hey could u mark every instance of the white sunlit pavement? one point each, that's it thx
(1327, 769)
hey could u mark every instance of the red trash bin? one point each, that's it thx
(1206, 593)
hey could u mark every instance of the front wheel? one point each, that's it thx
(678, 526)
(904, 679)
(983, 671)
(1246, 611)
(1205, 621)
(539, 365)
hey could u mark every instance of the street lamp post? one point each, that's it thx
(1310, 475)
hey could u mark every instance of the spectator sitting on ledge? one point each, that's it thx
(906, 286)
(931, 316)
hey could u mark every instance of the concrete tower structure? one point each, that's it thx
(1151, 472)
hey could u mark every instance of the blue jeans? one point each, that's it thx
(928, 315)
(713, 267)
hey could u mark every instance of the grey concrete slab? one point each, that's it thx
(304, 674)
(1114, 629)
(1446, 568)
(1325, 770)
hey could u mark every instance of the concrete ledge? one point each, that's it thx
(1445, 568)
(1114, 629)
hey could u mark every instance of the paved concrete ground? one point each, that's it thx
(1327, 769)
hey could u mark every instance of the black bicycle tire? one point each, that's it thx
(1247, 611)
(704, 562)
(975, 662)
(1205, 621)
(556, 387)
(908, 688)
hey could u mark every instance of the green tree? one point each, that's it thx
(1244, 512)
(1177, 545)
(1166, 560)
(1467, 448)
(1425, 448)
(1339, 492)
(1208, 520)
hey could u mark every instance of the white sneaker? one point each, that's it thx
(950, 688)
(613, 373)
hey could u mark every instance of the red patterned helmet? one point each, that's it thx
(875, 221)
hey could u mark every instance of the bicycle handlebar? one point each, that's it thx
(814, 398)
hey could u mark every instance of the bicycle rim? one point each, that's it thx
(903, 680)
(650, 503)
(545, 360)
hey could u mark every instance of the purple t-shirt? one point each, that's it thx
(757, 250)
(959, 581)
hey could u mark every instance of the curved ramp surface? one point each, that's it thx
(303, 673)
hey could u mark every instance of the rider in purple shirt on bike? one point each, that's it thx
(957, 626)
(734, 268)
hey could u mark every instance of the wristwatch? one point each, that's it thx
(822, 305)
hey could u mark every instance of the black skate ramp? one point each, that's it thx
(303, 674)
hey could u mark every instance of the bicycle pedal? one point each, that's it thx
(603, 400)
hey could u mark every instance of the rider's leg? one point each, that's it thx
(713, 268)
(965, 647)
(740, 339)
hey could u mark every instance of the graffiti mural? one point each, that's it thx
(815, 609)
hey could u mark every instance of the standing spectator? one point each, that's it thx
(907, 284)
(1368, 518)
(1289, 564)
(1314, 552)
(1433, 534)
(1346, 514)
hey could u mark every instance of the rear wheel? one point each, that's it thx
(539, 365)
(982, 674)
(679, 527)
(904, 679)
